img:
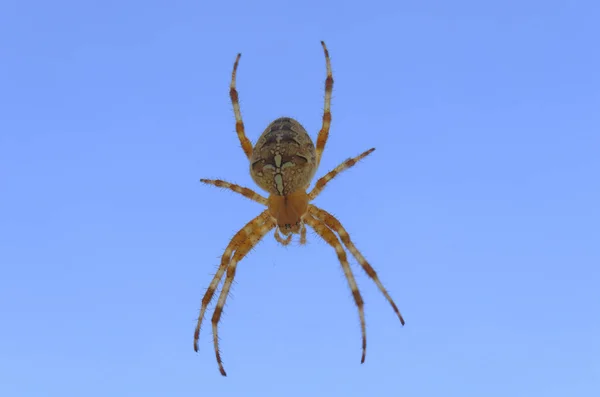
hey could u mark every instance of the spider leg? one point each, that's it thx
(244, 191)
(324, 132)
(335, 225)
(351, 162)
(252, 238)
(280, 239)
(239, 123)
(235, 242)
(331, 239)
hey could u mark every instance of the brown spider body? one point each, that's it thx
(284, 158)
(283, 162)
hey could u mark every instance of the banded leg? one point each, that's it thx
(324, 132)
(336, 226)
(235, 242)
(235, 101)
(280, 239)
(320, 185)
(244, 191)
(252, 239)
(330, 238)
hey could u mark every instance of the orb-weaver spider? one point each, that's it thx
(283, 162)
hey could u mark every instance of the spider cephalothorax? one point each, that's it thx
(283, 162)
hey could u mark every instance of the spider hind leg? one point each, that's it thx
(235, 101)
(324, 132)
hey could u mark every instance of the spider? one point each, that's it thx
(283, 162)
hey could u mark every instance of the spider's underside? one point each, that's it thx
(283, 162)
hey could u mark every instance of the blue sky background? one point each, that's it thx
(479, 208)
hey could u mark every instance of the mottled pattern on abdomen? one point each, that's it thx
(284, 158)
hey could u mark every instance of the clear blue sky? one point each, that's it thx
(479, 208)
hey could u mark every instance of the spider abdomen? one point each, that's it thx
(284, 158)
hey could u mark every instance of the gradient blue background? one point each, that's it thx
(479, 208)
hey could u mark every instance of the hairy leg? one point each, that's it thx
(335, 225)
(251, 240)
(235, 242)
(324, 132)
(244, 191)
(235, 101)
(330, 238)
(351, 162)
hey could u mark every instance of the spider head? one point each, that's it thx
(288, 229)
(288, 211)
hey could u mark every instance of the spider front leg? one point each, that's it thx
(330, 238)
(335, 225)
(252, 239)
(235, 242)
(235, 101)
